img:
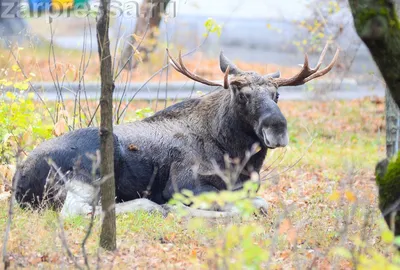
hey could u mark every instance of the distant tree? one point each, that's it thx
(148, 22)
(107, 189)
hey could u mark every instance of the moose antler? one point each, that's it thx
(180, 67)
(307, 74)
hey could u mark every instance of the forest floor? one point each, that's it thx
(323, 209)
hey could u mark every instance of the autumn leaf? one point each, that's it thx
(193, 253)
(60, 127)
(292, 235)
(285, 226)
(350, 196)
(335, 196)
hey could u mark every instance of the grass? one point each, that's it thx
(323, 209)
(51, 63)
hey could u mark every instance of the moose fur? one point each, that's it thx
(176, 148)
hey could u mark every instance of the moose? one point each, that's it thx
(177, 148)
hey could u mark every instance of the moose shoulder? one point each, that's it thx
(179, 147)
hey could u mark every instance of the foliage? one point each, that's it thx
(143, 113)
(212, 26)
(22, 123)
(240, 199)
(317, 26)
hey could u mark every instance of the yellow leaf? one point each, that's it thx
(15, 68)
(387, 236)
(137, 56)
(350, 196)
(335, 196)
(10, 95)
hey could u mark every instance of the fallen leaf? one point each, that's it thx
(350, 196)
(193, 253)
(335, 196)
(292, 235)
(285, 226)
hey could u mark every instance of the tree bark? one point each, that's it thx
(149, 18)
(392, 125)
(378, 26)
(108, 229)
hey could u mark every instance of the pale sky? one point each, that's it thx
(274, 9)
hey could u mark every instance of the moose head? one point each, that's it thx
(254, 97)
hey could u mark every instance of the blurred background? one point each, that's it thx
(261, 35)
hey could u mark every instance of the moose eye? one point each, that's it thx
(242, 97)
(276, 97)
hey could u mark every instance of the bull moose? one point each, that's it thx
(177, 148)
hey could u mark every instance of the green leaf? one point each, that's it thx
(397, 240)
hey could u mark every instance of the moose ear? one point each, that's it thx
(224, 62)
(274, 75)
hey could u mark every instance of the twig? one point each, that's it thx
(65, 244)
(6, 260)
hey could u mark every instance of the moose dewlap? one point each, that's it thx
(180, 147)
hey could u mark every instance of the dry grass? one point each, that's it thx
(327, 200)
(65, 65)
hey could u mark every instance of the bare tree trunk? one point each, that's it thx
(108, 229)
(149, 19)
(392, 125)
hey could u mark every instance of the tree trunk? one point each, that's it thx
(149, 19)
(392, 125)
(108, 229)
(378, 26)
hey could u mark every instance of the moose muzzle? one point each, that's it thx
(273, 130)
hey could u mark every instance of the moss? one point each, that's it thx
(380, 14)
(388, 180)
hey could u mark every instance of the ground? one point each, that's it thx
(72, 65)
(323, 209)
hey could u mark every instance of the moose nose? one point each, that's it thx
(274, 131)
